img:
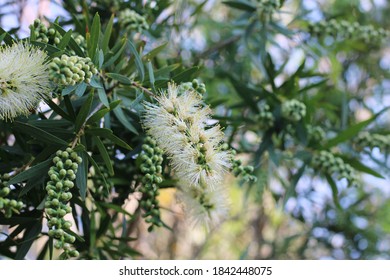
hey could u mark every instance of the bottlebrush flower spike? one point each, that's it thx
(179, 123)
(24, 80)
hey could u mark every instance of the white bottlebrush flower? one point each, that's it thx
(204, 207)
(24, 79)
(179, 125)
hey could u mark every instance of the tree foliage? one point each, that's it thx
(299, 90)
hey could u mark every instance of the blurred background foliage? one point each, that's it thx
(331, 58)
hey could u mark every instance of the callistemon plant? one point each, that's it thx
(180, 123)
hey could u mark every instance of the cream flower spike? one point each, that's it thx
(24, 79)
(179, 125)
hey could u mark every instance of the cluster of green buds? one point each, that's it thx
(71, 70)
(238, 169)
(349, 30)
(41, 33)
(62, 174)
(328, 163)
(265, 117)
(315, 133)
(151, 159)
(194, 85)
(49, 35)
(131, 20)
(293, 110)
(8, 206)
(368, 140)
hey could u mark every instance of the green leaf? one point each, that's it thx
(124, 120)
(241, 5)
(361, 167)
(37, 170)
(38, 133)
(65, 40)
(138, 60)
(186, 75)
(83, 113)
(294, 181)
(120, 78)
(151, 75)
(58, 110)
(98, 115)
(109, 60)
(352, 131)
(107, 133)
(80, 89)
(335, 191)
(150, 55)
(105, 156)
(95, 34)
(81, 175)
(107, 34)
(7, 38)
(97, 169)
(103, 96)
(68, 90)
(29, 237)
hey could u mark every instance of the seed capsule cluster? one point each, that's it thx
(8, 206)
(131, 20)
(151, 159)
(293, 110)
(62, 174)
(71, 70)
(368, 140)
(194, 85)
(349, 30)
(330, 164)
(237, 168)
(44, 34)
(315, 133)
(265, 117)
(50, 35)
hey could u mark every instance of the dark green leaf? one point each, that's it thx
(124, 119)
(7, 38)
(352, 131)
(241, 5)
(65, 40)
(38, 170)
(107, 34)
(94, 36)
(83, 113)
(335, 191)
(138, 60)
(58, 110)
(120, 78)
(81, 175)
(105, 156)
(29, 237)
(361, 167)
(111, 60)
(107, 133)
(38, 133)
